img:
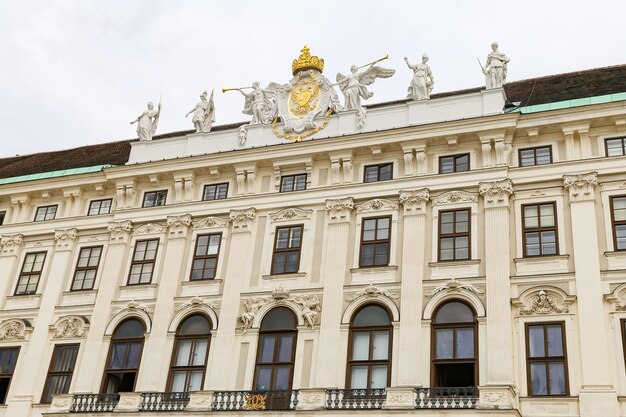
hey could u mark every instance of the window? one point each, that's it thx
(99, 207)
(60, 371)
(369, 367)
(191, 350)
(454, 163)
(2, 216)
(142, 266)
(535, 156)
(86, 268)
(454, 235)
(454, 349)
(124, 357)
(546, 359)
(374, 173)
(215, 192)
(154, 198)
(292, 183)
(615, 147)
(287, 244)
(618, 221)
(205, 256)
(375, 241)
(46, 213)
(8, 359)
(30, 273)
(540, 233)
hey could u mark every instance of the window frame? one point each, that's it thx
(86, 268)
(7, 375)
(294, 176)
(3, 216)
(378, 168)
(606, 146)
(540, 229)
(375, 241)
(125, 340)
(56, 210)
(454, 235)
(189, 368)
(534, 149)
(615, 223)
(288, 249)
(156, 193)
(546, 359)
(142, 262)
(52, 373)
(100, 201)
(29, 274)
(215, 194)
(454, 157)
(195, 256)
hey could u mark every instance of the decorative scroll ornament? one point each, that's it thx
(209, 222)
(70, 327)
(12, 330)
(339, 210)
(120, 230)
(9, 244)
(373, 292)
(455, 285)
(377, 204)
(65, 238)
(134, 306)
(198, 302)
(543, 303)
(414, 201)
(280, 294)
(149, 228)
(581, 186)
(178, 225)
(255, 402)
(454, 197)
(496, 193)
(291, 214)
(242, 219)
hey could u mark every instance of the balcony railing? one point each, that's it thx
(466, 397)
(94, 403)
(164, 401)
(362, 399)
(254, 400)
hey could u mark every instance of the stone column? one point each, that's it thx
(597, 394)
(413, 264)
(222, 376)
(336, 257)
(87, 377)
(10, 249)
(499, 346)
(156, 350)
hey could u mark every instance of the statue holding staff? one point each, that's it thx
(203, 113)
(147, 122)
(422, 82)
(260, 103)
(496, 68)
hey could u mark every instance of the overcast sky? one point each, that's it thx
(77, 72)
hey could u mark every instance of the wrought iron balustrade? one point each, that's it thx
(445, 397)
(164, 401)
(337, 399)
(254, 400)
(94, 403)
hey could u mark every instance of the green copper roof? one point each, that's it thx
(608, 98)
(53, 174)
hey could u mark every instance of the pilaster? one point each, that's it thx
(10, 251)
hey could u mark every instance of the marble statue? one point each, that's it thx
(422, 83)
(203, 113)
(496, 67)
(260, 104)
(147, 123)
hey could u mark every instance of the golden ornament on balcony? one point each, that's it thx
(305, 62)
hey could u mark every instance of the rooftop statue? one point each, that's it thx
(203, 114)
(354, 86)
(422, 83)
(147, 123)
(260, 103)
(496, 67)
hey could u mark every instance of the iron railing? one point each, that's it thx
(362, 399)
(164, 401)
(94, 403)
(444, 397)
(254, 400)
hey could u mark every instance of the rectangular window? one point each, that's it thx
(292, 183)
(154, 198)
(454, 235)
(374, 173)
(215, 192)
(30, 273)
(60, 371)
(86, 268)
(615, 147)
(454, 163)
(546, 359)
(287, 244)
(100, 207)
(618, 221)
(46, 213)
(375, 242)
(539, 230)
(8, 359)
(205, 256)
(535, 156)
(142, 266)
(2, 216)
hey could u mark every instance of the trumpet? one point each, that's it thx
(374, 62)
(231, 89)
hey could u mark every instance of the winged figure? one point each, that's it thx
(354, 85)
(261, 103)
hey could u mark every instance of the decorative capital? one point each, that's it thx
(377, 204)
(496, 193)
(415, 201)
(241, 220)
(581, 186)
(9, 245)
(339, 210)
(65, 238)
(178, 226)
(120, 231)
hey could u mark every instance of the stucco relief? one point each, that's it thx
(198, 302)
(377, 204)
(178, 225)
(454, 197)
(456, 285)
(242, 219)
(70, 327)
(120, 230)
(13, 329)
(372, 291)
(339, 210)
(581, 186)
(148, 228)
(65, 238)
(10, 244)
(543, 302)
(496, 193)
(415, 201)
(291, 214)
(209, 222)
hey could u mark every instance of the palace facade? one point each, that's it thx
(458, 256)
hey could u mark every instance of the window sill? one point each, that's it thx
(469, 268)
(138, 291)
(541, 264)
(201, 287)
(22, 301)
(616, 260)
(374, 274)
(79, 297)
(294, 275)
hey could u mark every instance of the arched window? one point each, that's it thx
(124, 357)
(454, 351)
(276, 351)
(369, 350)
(191, 350)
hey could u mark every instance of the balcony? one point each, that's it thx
(254, 400)
(355, 399)
(446, 398)
(94, 403)
(164, 401)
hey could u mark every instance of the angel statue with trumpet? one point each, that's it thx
(147, 122)
(260, 103)
(203, 113)
(354, 85)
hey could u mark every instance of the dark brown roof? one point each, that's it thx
(549, 89)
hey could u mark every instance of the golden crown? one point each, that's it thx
(305, 61)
